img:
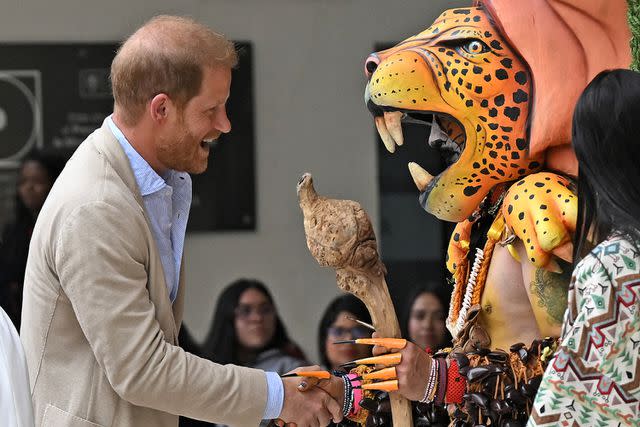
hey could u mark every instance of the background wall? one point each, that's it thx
(310, 116)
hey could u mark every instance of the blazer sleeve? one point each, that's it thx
(101, 266)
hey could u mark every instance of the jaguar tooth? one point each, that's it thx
(421, 177)
(392, 119)
(386, 137)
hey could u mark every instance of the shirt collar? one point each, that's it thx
(147, 179)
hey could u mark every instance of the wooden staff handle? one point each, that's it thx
(375, 295)
(340, 235)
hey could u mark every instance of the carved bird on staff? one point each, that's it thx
(339, 232)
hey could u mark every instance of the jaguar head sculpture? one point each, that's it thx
(496, 84)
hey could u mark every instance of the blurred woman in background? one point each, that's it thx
(423, 319)
(335, 325)
(247, 331)
(36, 176)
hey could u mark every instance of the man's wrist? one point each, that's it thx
(275, 396)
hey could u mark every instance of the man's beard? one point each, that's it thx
(181, 153)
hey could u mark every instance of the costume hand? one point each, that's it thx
(314, 408)
(541, 210)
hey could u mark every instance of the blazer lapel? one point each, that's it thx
(109, 146)
(178, 304)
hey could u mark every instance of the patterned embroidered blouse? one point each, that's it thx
(594, 379)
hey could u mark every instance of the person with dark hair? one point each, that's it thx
(36, 176)
(423, 318)
(594, 378)
(336, 325)
(246, 330)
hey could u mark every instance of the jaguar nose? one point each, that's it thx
(371, 64)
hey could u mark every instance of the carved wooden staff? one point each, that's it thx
(340, 235)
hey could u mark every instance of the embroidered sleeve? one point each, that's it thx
(596, 372)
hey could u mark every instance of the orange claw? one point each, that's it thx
(382, 386)
(385, 359)
(397, 343)
(309, 374)
(382, 374)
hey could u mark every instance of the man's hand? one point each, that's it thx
(313, 408)
(334, 386)
(317, 407)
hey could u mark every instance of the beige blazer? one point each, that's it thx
(98, 328)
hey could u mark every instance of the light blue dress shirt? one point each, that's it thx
(167, 201)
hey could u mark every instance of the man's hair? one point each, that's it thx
(166, 55)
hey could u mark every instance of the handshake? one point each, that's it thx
(318, 398)
(311, 402)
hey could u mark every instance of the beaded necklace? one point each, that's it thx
(469, 283)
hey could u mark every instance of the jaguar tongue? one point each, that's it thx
(421, 177)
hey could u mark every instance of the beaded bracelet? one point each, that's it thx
(347, 404)
(432, 382)
(357, 394)
(432, 395)
(442, 381)
(348, 396)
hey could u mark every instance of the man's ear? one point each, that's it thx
(159, 107)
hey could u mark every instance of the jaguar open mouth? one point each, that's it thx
(446, 136)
